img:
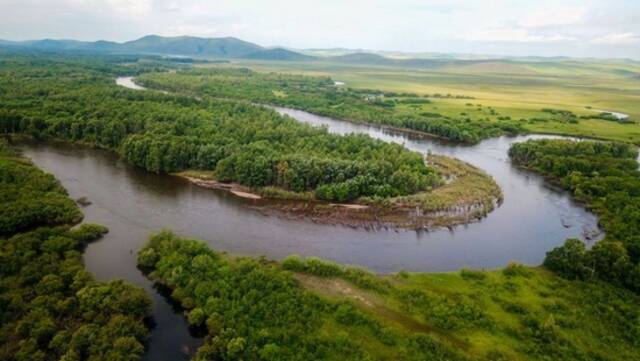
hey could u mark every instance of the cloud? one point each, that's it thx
(204, 30)
(556, 16)
(617, 39)
(542, 27)
(519, 35)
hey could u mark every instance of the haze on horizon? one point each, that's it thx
(591, 28)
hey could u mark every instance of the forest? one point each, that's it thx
(605, 177)
(78, 101)
(254, 310)
(51, 308)
(300, 309)
(319, 95)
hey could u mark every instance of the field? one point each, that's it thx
(514, 314)
(515, 89)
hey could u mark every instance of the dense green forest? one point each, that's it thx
(77, 100)
(51, 308)
(301, 309)
(319, 95)
(30, 197)
(254, 310)
(606, 178)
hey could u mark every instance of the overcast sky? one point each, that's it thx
(602, 28)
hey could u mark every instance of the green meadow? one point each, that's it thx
(517, 89)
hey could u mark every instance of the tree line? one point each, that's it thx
(319, 95)
(606, 178)
(51, 308)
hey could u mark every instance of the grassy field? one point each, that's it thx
(517, 313)
(515, 89)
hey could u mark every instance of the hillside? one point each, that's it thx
(187, 45)
(152, 44)
(278, 54)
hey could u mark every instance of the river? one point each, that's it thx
(134, 203)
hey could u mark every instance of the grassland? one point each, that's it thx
(515, 89)
(517, 313)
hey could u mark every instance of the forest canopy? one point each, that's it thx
(319, 95)
(251, 145)
(606, 178)
(51, 308)
(301, 309)
(255, 310)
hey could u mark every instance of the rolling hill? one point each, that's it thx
(152, 44)
(220, 48)
(278, 54)
(193, 46)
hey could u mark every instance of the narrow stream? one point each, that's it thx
(134, 203)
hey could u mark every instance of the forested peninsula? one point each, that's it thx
(227, 141)
(51, 307)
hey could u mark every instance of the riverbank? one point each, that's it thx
(49, 298)
(467, 195)
(513, 313)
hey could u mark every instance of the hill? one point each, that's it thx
(361, 58)
(152, 44)
(376, 59)
(188, 45)
(279, 54)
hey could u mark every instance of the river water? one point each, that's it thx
(134, 203)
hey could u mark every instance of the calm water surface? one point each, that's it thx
(134, 203)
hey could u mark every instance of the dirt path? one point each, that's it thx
(336, 288)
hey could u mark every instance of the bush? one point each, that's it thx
(515, 269)
(472, 274)
(568, 260)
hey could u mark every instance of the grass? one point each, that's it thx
(515, 89)
(466, 186)
(466, 194)
(517, 313)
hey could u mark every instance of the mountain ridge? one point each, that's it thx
(224, 47)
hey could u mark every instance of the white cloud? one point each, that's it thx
(132, 8)
(617, 39)
(555, 16)
(204, 30)
(519, 35)
(542, 27)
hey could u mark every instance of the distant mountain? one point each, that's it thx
(375, 59)
(193, 46)
(153, 44)
(221, 48)
(228, 48)
(278, 54)
(361, 58)
(50, 44)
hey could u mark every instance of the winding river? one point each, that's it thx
(134, 203)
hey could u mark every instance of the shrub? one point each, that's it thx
(472, 274)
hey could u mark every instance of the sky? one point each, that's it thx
(588, 28)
